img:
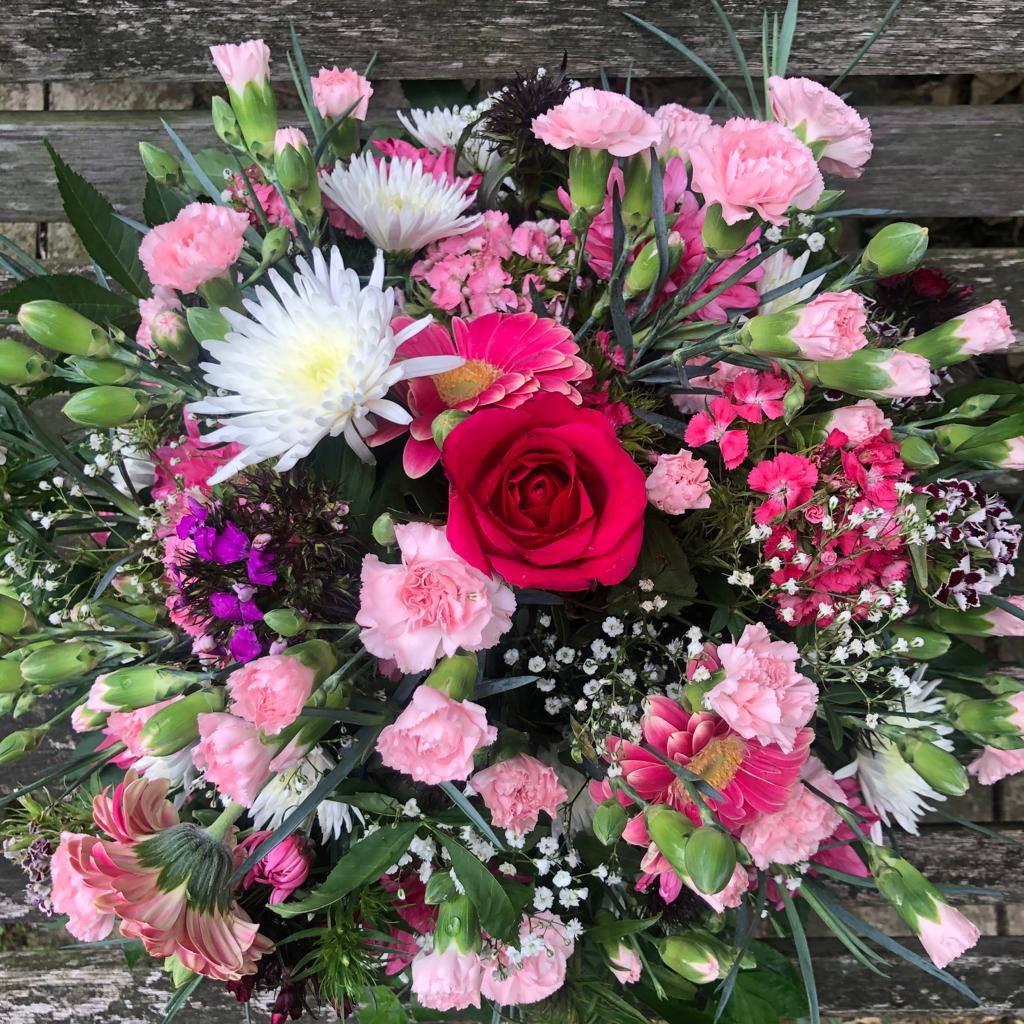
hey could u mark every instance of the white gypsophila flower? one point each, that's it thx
(315, 360)
(442, 127)
(779, 269)
(399, 205)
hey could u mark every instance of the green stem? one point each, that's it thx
(224, 821)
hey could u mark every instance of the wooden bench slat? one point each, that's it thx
(904, 174)
(155, 40)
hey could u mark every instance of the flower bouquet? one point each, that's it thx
(512, 562)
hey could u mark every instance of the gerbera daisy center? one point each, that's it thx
(719, 760)
(471, 379)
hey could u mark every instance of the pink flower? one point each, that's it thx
(242, 63)
(859, 422)
(137, 809)
(682, 129)
(1004, 623)
(949, 936)
(284, 869)
(762, 696)
(598, 119)
(993, 764)
(910, 375)
(516, 790)
(187, 464)
(729, 897)
(818, 115)
(755, 167)
(127, 725)
(830, 326)
(715, 380)
(679, 483)
(707, 427)
(77, 886)
(626, 965)
(435, 737)
(430, 604)
(285, 137)
(270, 691)
(794, 832)
(986, 329)
(335, 91)
(788, 480)
(201, 243)
(162, 300)
(757, 396)
(509, 358)
(537, 976)
(441, 167)
(447, 981)
(232, 756)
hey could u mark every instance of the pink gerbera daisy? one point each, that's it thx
(509, 357)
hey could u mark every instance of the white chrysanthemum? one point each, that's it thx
(315, 360)
(443, 127)
(780, 268)
(399, 205)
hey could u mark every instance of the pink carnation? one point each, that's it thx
(794, 833)
(818, 115)
(910, 375)
(201, 243)
(729, 897)
(335, 91)
(762, 696)
(284, 869)
(679, 483)
(162, 300)
(447, 981)
(682, 129)
(598, 119)
(1002, 622)
(232, 756)
(626, 965)
(987, 329)
(430, 604)
(515, 791)
(270, 692)
(945, 939)
(993, 764)
(435, 737)
(755, 167)
(285, 137)
(859, 422)
(77, 888)
(537, 976)
(242, 63)
(126, 726)
(831, 326)
(788, 480)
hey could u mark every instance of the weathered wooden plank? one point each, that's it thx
(929, 161)
(996, 273)
(166, 39)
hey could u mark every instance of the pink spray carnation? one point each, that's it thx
(447, 981)
(430, 604)
(818, 115)
(201, 243)
(284, 869)
(285, 137)
(271, 691)
(435, 737)
(831, 326)
(232, 756)
(682, 129)
(859, 422)
(516, 790)
(598, 119)
(987, 329)
(910, 375)
(162, 300)
(762, 696)
(536, 976)
(626, 965)
(242, 63)
(947, 937)
(788, 480)
(77, 887)
(714, 425)
(679, 483)
(755, 167)
(335, 91)
(992, 765)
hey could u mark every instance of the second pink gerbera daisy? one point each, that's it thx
(509, 357)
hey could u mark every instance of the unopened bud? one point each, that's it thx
(61, 662)
(293, 161)
(722, 240)
(275, 245)
(159, 164)
(896, 249)
(56, 326)
(383, 530)
(106, 406)
(454, 675)
(940, 769)
(690, 958)
(225, 124)
(170, 333)
(793, 401)
(710, 859)
(10, 676)
(139, 686)
(286, 621)
(444, 423)
(17, 744)
(20, 364)
(669, 831)
(609, 821)
(644, 270)
(14, 616)
(175, 726)
(103, 371)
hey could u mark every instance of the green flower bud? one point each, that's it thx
(139, 686)
(644, 270)
(24, 703)
(175, 726)
(940, 769)
(20, 364)
(896, 249)
(636, 195)
(444, 423)
(722, 240)
(170, 334)
(917, 453)
(874, 373)
(256, 110)
(317, 655)
(275, 245)
(793, 401)
(286, 621)
(710, 859)
(922, 644)
(588, 181)
(56, 326)
(457, 925)
(106, 406)
(383, 530)
(107, 612)
(985, 718)
(691, 958)
(17, 744)
(225, 124)
(14, 616)
(669, 831)
(11, 679)
(978, 405)
(206, 324)
(60, 662)
(455, 675)
(294, 169)
(7, 702)
(159, 164)
(103, 371)
(609, 821)
(982, 445)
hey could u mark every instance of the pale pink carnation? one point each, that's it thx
(242, 63)
(910, 374)
(945, 939)
(126, 726)
(271, 691)
(679, 483)
(762, 696)
(335, 91)
(993, 764)
(447, 981)
(162, 300)
(818, 115)
(430, 604)
(294, 137)
(1014, 457)
(598, 119)
(201, 243)
(626, 965)
(795, 832)
(537, 976)
(755, 167)
(831, 326)
(682, 129)
(435, 737)
(859, 422)
(76, 888)
(1004, 623)
(232, 756)
(516, 790)
(986, 329)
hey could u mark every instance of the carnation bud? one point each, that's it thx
(710, 859)
(940, 769)
(109, 612)
(691, 958)
(14, 616)
(170, 334)
(24, 703)
(225, 124)
(174, 726)
(644, 270)
(10, 676)
(922, 644)
(983, 445)
(106, 406)
(275, 245)
(588, 183)
(286, 621)
(669, 831)
(17, 744)
(988, 719)
(293, 161)
(61, 662)
(723, 240)
(444, 423)
(103, 371)
(874, 373)
(897, 249)
(980, 331)
(455, 675)
(206, 324)
(383, 530)
(256, 110)
(609, 821)
(636, 195)
(917, 453)
(457, 925)
(56, 326)
(793, 401)
(139, 686)
(159, 164)
(317, 655)
(20, 364)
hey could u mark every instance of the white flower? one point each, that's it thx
(399, 205)
(443, 127)
(316, 360)
(780, 269)
(543, 898)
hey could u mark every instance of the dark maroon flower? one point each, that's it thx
(286, 1006)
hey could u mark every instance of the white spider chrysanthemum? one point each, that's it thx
(443, 127)
(399, 205)
(315, 360)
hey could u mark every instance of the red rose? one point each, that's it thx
(544, 495)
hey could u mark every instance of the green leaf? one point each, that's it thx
(180, 997)
(614, 930)
(162, 203)
(460, 800)
(440, 92)
(497, 915)
(803, 953)
(82, 295)
(206, 171)
(366, 861)
(663, 561)
(383, 1007)
(109, 241)
(769, 993)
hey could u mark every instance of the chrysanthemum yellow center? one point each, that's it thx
(317, 363)
(719, 760)
(469, 380)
